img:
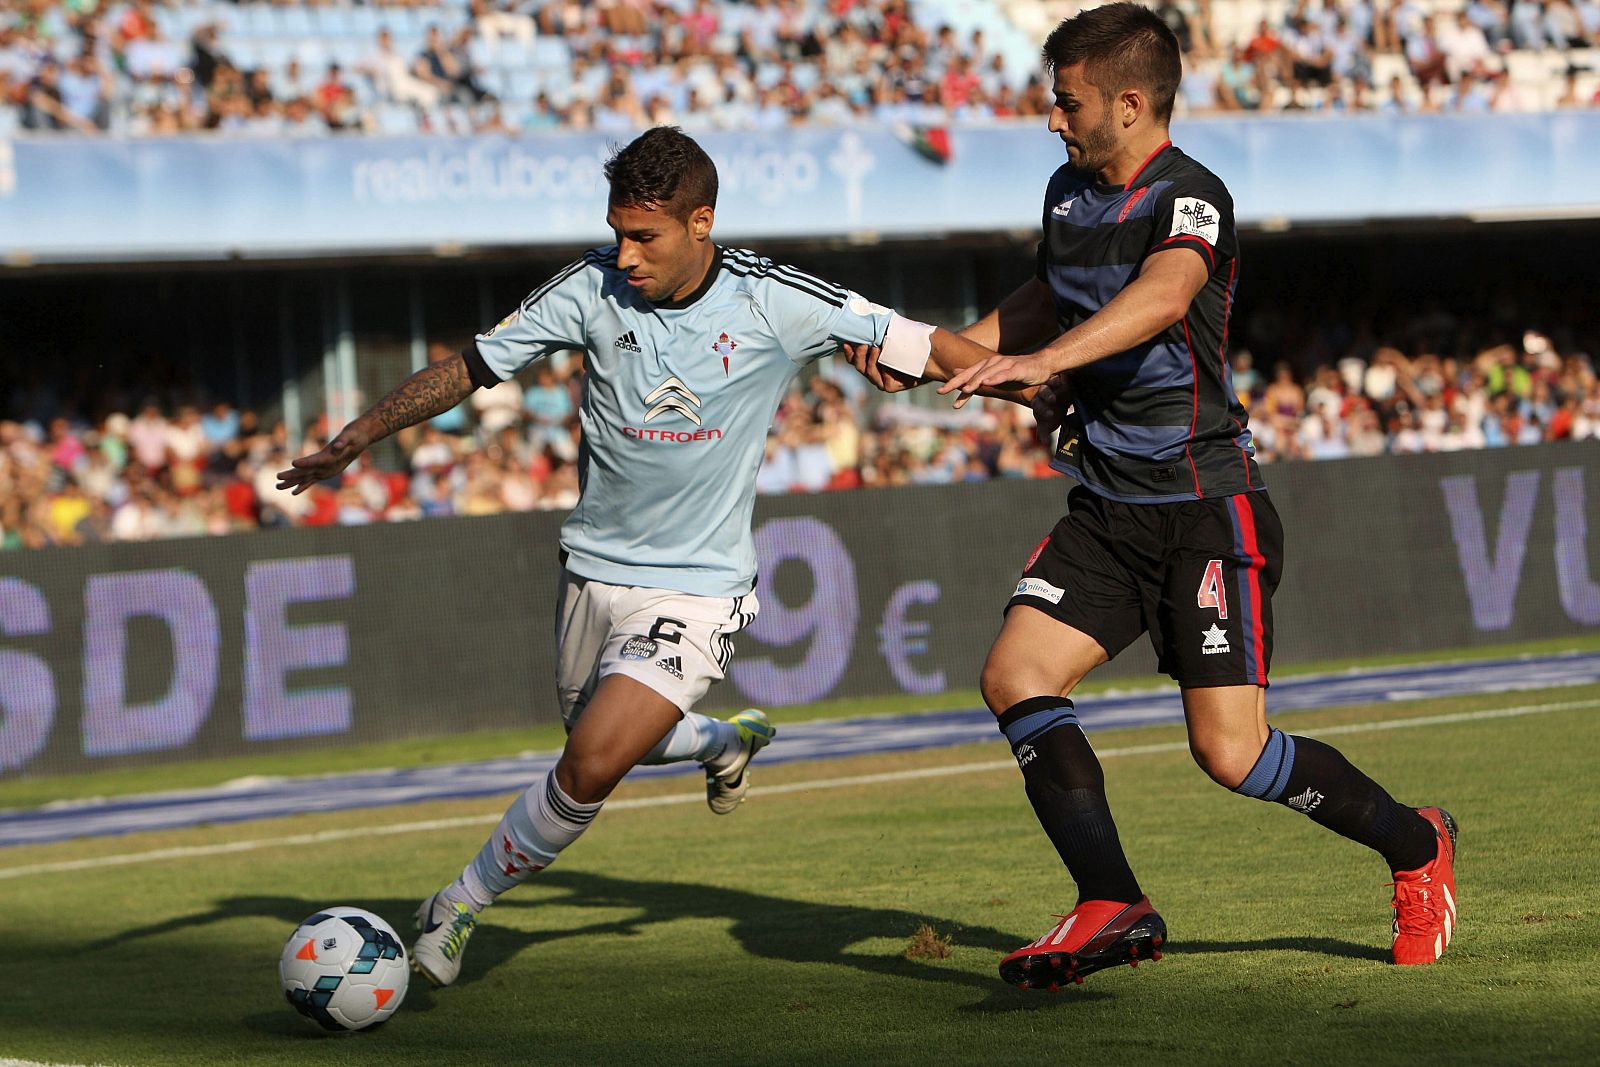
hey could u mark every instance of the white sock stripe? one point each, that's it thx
(564, 808)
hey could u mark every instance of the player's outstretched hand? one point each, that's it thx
(1050, 406)
(997, 372)
(864, 358)
(320, 466)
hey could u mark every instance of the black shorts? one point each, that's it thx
(1197, 574)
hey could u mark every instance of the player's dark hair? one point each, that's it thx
(1121, 46)
(664, 168)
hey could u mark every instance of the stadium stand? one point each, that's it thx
(503, 66)
(72, 471)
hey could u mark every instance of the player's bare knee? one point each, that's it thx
(1004, 683)
(586, 779)
(1228, 763)
(1002, 688)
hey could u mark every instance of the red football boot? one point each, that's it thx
(1425, 899)
(1095, 935)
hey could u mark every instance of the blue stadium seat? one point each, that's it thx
(348, 51)
(395, 119)
(480, 53)
(551, 53)
(244, 52)
(255, 20)
(295, 21)
(415, 21)
(364, 21)
(524, 84)
(513, 55)
(361, 88)
(312, 53)
(335, 21)
(496, 81)
(274, 51)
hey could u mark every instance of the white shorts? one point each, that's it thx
(675, 643)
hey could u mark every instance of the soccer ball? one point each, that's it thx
(344, 969)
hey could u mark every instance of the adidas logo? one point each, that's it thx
(673, 665)
(1306, 802)
(627, 342)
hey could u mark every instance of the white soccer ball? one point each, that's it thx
(344, 969)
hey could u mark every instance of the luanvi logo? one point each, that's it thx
(1305, 803)
(1215, 641)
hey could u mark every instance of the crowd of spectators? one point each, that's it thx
(183, 468)
(1397, 56)
(139, 67)
(1508, 394)
(153, 67)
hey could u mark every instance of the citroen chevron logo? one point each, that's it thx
(673, 395)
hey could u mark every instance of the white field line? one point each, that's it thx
(810, 785)
(36, 1063)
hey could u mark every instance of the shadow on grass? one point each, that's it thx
(767, 927)
(1327, 946)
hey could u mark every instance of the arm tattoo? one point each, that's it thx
(431, 391)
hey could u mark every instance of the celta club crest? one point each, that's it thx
(724, 346)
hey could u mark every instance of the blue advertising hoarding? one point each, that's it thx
(77, 200)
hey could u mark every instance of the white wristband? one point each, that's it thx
(906, 345)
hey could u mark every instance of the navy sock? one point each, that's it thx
(1068, 793)
(1317, 781)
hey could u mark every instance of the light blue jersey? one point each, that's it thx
(677, 400)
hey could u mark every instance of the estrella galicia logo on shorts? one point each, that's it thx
(1041, 589)
(673, 665)
(638, 648)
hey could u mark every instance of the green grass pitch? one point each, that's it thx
(779, 935)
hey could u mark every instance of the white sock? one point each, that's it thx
(696, 737)
(532, 833)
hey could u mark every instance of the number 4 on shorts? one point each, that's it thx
(1213, 594)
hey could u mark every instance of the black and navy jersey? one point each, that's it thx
(1161, 421)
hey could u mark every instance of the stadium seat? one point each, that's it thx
(364, 21)
(295, 21)
(244, 52)
(256, 20)
(312, 52)
(522, 84)
(480, 53)
(513, 55)
(551, 53)
(274, 51)
(336, 21)
(396, 119)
